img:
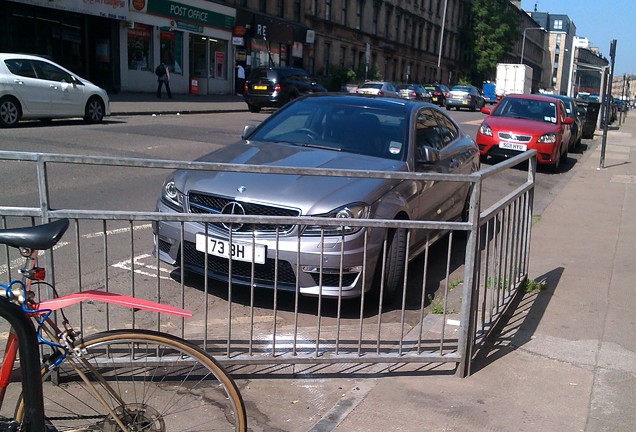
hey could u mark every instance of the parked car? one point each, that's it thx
(378, 88)
(414, 91)
(521, 122)
(464, 96)
(342, 131)
(576, 128)
(275, 86)
(438, 92)
(33, 87)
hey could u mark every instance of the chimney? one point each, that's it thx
(516, 3)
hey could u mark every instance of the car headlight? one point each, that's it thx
(550, 138)
(171, 196)
(484, 129)
(351, 211)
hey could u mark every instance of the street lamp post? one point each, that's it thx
(523, 44)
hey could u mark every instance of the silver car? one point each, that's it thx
(326, 131)
(33, 87)
(378, 88)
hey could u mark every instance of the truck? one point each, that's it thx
(513, 78)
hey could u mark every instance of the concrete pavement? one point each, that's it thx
(566, 361)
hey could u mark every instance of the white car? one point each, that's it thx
(378, 88)
(33, 87)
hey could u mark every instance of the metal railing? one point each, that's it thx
(453, 292)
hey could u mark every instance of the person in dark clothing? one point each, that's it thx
(164, 79)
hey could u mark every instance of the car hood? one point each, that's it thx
(526, 126)
(312, 195)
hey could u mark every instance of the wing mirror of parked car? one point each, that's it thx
(485, 110)
(427, 155)
(247, 131)
(568, 120)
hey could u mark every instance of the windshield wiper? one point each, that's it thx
(318, 146)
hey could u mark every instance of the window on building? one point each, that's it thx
(343, 14)
(387, 22)
(243, 3)
(328, 10)
(359, 16)
(396, 33)
(376, 14)
(558, 24)
(439, 8)
(297, 10)
(325, 58)
(280, 8)
(343, 53)
(405, 30)
(262, 5)
(352, 59)
(140, 47)
(218, 59)
(171, 43)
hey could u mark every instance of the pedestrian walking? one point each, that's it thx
(163, 78)
(240, 79)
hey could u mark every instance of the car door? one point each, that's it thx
(567, 129)
(33, 92)
(430, 200)
(67, 97)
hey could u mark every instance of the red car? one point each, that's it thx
(521, 122)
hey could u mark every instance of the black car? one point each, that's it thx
(572, 110)
(274, 87)
(439, 93)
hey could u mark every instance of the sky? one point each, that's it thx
(600, 21)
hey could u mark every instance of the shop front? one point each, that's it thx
(272, 42)
(192, 37)
(81, 36)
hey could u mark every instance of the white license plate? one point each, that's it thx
(513, 146)
(239, 251)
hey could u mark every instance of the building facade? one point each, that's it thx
(118, 43)
(561, 31)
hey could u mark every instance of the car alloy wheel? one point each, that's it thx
(94, 112)
(10, 111)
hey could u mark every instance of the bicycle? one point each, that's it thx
(116, 380)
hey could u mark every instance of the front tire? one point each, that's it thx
(159, 381)
(10, 111)
(394, 266)
(94, 111)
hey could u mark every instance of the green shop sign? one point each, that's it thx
(191, 14)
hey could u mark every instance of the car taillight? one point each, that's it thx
(468, 97)
(437, 93)
(447, 94)
(245, 88)
(413, 94)
(277, 87)
(380, 93)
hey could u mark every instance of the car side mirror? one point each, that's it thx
(485, 110)
(247, 131)
(568, 120)
(427, 155)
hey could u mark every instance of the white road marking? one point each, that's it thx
(140, 267)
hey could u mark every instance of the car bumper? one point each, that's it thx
(331, 268)
(489, 146)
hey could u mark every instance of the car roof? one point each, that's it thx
(23, 56)
(541, 97)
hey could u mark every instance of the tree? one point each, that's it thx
(495, 30)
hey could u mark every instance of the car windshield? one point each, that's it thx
(530, 109)
(339, 127)
(372, 85)
(461, 88)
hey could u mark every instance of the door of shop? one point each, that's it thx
(199, 64)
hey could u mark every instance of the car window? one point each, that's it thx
(353, 129)
(49, 72)
(447, 129)
(21, 67)
(371, 85)
(427, 131)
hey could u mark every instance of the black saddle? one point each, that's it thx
(39, 237)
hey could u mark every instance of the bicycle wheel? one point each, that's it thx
(147, 381)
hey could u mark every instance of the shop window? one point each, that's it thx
(218, 59)
(140, 47)
(172, 50)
